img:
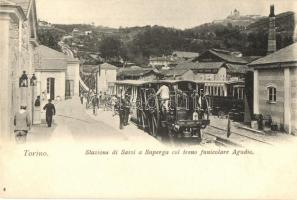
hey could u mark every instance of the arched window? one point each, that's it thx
(271, 93)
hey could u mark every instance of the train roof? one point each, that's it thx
(142, 82)
(168, 81)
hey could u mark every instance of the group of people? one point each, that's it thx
(118, 105)
(22, 119)
(101, 100)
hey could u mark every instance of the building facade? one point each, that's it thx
(275, 87)
(107, 75)
(18, 41)
(57, 74)
(222, 73)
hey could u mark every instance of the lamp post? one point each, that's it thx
(23, 85)
(33, 84)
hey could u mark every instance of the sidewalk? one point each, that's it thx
(236, 127)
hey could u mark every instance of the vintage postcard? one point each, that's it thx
(159, 99)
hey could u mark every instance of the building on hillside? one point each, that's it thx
(163, 62)
(138, 74)
(18, 22)
(184, 55)
(44, 24)
(57, 74)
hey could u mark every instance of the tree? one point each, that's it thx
(111, 47)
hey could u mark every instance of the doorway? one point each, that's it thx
(69, 88)
(50, 88)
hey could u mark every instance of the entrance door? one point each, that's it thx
(69, 88)
(50, 87)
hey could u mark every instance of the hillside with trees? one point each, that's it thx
(137, 44)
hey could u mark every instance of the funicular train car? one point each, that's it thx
(185, 116)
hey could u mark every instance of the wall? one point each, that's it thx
(106, 76)
(73, 74)
(293, 78)
(59, 82)
(219, 76)
(276, 78)
(188, 75)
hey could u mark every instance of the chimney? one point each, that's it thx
(271, 32)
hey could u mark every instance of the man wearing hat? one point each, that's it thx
(22, 124)
(49, 112)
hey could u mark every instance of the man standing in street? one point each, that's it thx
(49, 112)
(126, 107)
(22, 124)
(164, 95)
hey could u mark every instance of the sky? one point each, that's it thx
(170, 13)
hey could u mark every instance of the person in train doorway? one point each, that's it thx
(163, 92)
(50, 110)
(22, 124)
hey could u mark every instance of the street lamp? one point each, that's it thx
(33, 84)
(23, 82)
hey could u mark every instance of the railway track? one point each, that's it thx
(235, 139)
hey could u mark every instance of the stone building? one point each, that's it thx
(18, 41)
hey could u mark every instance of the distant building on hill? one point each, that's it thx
(238, 20)
(184, 55)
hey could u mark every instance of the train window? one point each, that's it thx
(271, 94)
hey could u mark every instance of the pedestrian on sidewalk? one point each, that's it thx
(113, 103)
(82, 98)
(104, 100)
(50, 110)
(228, 126)
(94, 104)
(22, 124)
(126, 107)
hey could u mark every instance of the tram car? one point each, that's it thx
(185, 115)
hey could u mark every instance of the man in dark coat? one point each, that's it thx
(50, 110)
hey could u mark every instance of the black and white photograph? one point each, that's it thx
(159, 99)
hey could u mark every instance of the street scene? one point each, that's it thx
(222, 82)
